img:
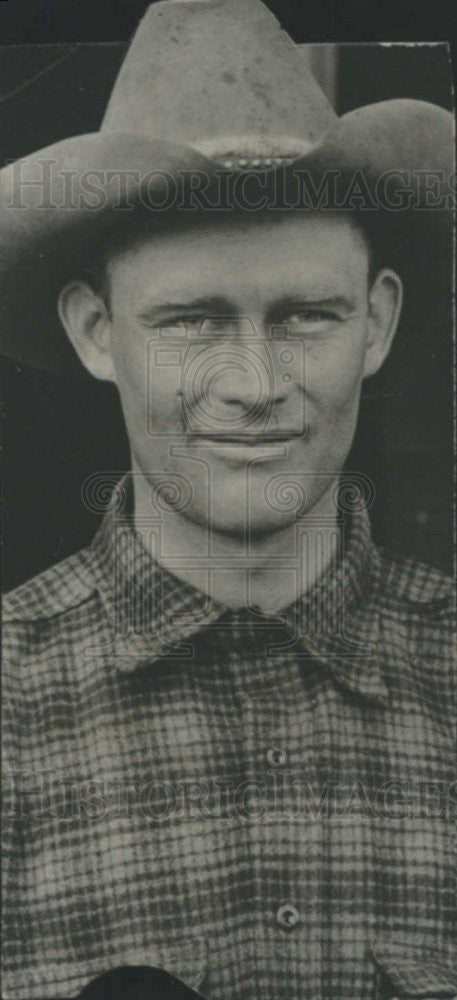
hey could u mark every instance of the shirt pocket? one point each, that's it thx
(186, 959)
(412, 972)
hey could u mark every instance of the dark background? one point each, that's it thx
(306, 20)
(58, 431)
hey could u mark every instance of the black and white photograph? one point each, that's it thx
(227, 333)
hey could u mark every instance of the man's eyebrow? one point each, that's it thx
(304, 300)
(209, 306)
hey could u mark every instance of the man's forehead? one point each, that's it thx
(290, 244)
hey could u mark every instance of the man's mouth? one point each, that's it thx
(252, 439)
(239, 449)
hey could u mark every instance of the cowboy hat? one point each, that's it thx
(209, 90)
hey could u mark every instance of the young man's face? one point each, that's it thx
(239, 350)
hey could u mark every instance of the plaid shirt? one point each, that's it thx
(262, 805)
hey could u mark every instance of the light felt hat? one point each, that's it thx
(207, 87)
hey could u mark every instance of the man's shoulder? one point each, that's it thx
(53, 592)
(411, 587)
(416, 603)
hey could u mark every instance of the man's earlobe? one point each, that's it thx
(86, 320)
(384, 308)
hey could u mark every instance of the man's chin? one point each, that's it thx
(238, 525)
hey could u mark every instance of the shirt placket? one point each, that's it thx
(283, 830)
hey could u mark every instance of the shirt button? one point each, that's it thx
(276, 757)
(288, 917)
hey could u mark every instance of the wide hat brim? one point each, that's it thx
(56, 203)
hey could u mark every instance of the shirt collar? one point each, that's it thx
(339, 617)
(151, 611)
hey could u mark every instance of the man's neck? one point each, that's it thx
(268, 571)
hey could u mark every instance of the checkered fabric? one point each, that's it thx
(263, 805)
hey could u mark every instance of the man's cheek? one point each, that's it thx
(162, 404)
(331, 364)
(130, 368)
(133, 402)
(336, 389)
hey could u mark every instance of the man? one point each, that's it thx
(230, 717)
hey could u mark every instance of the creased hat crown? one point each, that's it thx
(222, 76)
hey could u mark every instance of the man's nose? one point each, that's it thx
(238, 375)
(253, 378)
(236, 383)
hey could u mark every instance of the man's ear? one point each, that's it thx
(384, 307)
(86, 320)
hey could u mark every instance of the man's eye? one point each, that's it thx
(308, 317)
(190, 326)
(185, 325)
(212, 325)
